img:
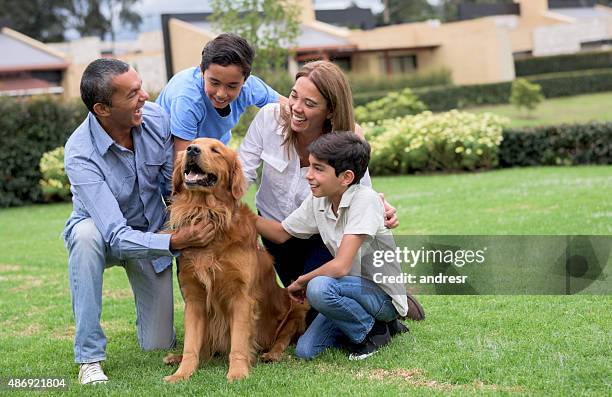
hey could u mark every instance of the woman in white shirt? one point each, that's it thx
(320, 102)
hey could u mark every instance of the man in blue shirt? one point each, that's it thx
(117, 161)
(208, 100)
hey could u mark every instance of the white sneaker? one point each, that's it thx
(91, 373)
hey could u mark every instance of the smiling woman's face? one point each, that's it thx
(308, 107)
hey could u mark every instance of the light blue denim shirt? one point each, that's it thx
(120, 189)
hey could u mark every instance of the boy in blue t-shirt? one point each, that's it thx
(207, 101)
(358, 303)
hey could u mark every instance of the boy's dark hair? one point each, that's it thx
(343, 151)
(96, 85)
(228, 49)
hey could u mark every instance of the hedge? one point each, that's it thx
(570, 144)
(365, 83)
(553, 85)
(28, 129)
(563, 63)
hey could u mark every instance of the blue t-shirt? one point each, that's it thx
(192, 115)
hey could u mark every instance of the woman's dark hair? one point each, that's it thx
(228, 49)
(96, 83)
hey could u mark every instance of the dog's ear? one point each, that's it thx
(237, 180)
(177, 174)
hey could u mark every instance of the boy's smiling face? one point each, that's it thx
(323, 180)
(223, 84)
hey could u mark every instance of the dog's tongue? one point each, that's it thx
(193, 176)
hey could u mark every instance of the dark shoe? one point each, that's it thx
(374, 340)
(396, 327)
(415, 310)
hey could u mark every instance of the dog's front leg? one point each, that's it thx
(240, 333)
(194, 336)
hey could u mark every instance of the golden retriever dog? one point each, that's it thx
(233, 305)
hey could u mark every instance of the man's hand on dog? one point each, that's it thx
(198, 235)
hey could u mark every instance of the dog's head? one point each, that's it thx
(208, 166)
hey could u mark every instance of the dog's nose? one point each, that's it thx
(193, 150)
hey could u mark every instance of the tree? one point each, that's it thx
(48, 20)
(42, 20)
(97, 17)
(526, 95)
(401, 11)
(448, 10)
(271, 26)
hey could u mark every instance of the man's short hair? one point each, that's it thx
(96, 83)
(228, 49)
(343, 151)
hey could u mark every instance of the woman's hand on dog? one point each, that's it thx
(297, 291)
(198, 235)
(391, 221)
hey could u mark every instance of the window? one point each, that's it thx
(398, 64)
(343, 62)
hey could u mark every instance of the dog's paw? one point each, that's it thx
(272, 357)
(237, 372)
(175, 378)
(172, 359)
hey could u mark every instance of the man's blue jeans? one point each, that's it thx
(348, 307)
(88, 256)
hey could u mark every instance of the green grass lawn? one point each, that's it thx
(574, 109)
(468, 345)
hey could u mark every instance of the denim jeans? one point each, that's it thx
(88, 256)
(348, 307)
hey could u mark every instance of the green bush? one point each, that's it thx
(428, 142)
(557, 145)
(563, 63)
(574, 83)
(28, 129)
(365, 83)
(463, 96)
(525, 94)
(394, 104)
(553, 85)
(54, 182)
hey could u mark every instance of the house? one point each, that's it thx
(145, 55)
(29, 67)
(479, 49)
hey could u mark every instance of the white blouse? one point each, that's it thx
(283, 184)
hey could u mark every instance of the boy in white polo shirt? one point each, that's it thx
(354, 311)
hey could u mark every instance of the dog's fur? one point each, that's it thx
(233, 305)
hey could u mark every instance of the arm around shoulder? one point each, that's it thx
(271, 230)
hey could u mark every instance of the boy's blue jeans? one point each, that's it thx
(87, 259)
(348, 307)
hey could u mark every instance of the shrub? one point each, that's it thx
(394, 104)
(589, 143)
(526, 95)
(435, 142)
(553, 85)
(463, 96)
(563, 63)
(574, 83)
(28, 129)
(364, 83)
(54, 182)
